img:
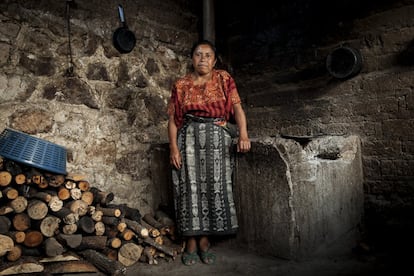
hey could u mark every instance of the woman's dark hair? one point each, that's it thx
(204, 42)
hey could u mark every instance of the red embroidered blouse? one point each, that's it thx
(213, 99)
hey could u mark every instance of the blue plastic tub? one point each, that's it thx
(24, 148)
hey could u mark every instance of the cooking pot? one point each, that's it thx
(344, 62)
(123, 38)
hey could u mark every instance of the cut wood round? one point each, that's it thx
(37, 209)
(87, 197)
(10, 193)
(4, 210)
(129, 253)
(63, 193)
(20, 179)
(49, 226)
(69, 228)
(53, 247)
(97, 215)
(79, 207)
(55, 203)
(127, 235)
(19, 204)
(21, 222)
(99, 228)
(5, 224)
(17, 236)
(86, 224)
(83, 185)
(33, 238)
(14, 254)
(76, 193)
(66, 215)
(121, 226)
(6, 244)
(56, 180)
(5, 178)
(114, 242)
(70, 184)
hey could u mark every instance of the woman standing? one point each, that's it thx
(201, 153)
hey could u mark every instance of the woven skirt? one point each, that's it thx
(203, 187)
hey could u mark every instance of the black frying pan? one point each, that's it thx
(124, 39)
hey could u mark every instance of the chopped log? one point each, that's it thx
(17, 236)
(109, 212)
(60, 258)
(87, 196)
(93, 242)
(129, 253)
(63, 193)
(19, 204)
(6, 244)
(99, 228)
(114, 221)
(128, 212)
(111, 253)
(137, 228)
(37, 209)
(72, 241)
(12, 167)
(43, 196)
(31, 251)
(53, 247)
(5, 178)
(5, 224)
(79, 207)
(55, 180)
(55, 204)
(33, 238)
(4, 210)
(111, 231)
(148, 218)
(97, 215)
(114, 242)
(10, 193)
(70, 185)
(70, 267)
(127, 234)
(70, 228)
(103, 263)
(75, 193)
(66, 215)
(14, 254)
(121, 226)
(100, 197)
(149, 252)
(40, 181)
(20, 179)
(152, 231)
(86, 224)
(163, 248)
(50, 226)
(23, 265)
(159, 240)
(83, 185)
(21, 222)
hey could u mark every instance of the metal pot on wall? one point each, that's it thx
(344, 62)
(123, 38)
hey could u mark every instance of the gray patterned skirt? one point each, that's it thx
(203, 188)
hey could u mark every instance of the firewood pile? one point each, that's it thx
(55, 224)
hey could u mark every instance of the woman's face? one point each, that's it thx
(204, 59)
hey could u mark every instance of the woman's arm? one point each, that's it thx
(175, 156)
(243, 145)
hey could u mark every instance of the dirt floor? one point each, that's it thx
(235, 261)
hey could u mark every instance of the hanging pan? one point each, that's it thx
(123, 39)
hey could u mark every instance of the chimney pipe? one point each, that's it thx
(208, 21)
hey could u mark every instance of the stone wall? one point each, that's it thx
(111, 107)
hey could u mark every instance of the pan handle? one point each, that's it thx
(121, 13)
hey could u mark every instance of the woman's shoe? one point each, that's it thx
(206, 256)
(189, 258)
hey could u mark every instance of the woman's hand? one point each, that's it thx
(175, 157)
(243, 144)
